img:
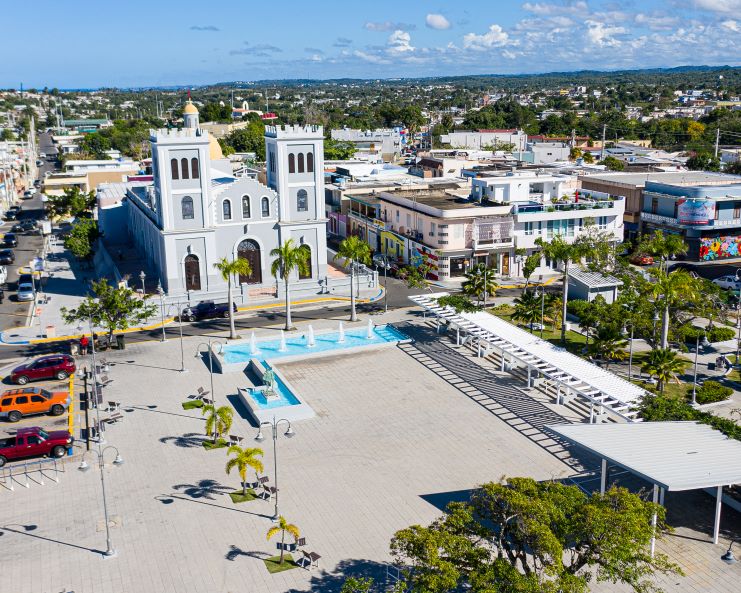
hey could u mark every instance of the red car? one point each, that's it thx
(34, 442)
(641, 259)
(53, 366)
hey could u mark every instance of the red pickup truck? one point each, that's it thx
(34, 442)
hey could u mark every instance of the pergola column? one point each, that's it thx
(718, 505)
(603, 477)
(653, 520)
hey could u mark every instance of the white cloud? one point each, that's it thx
(437, 21)
(719, 5)
(388, 26)
(494, 37)
(546, 8)
(368, 57)
(602, 35)
(400, 42)
(656, 22)
(731, 25)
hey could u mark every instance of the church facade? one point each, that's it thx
(196, 212)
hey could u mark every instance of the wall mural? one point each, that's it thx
(713, 248)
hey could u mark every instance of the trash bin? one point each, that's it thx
(120, 342)
(711, 366)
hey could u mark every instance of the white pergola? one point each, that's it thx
(571, 375)
(673, 456)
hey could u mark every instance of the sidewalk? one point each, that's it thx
(66, 285)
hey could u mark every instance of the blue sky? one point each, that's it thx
(90, 43)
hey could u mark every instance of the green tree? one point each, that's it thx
(243, 459)
(524, 536)
(74, 203)
(733, 168)
(480, 283)
(527, 309)
(338, 151)
(357, 585)
(353, 251)
(7, 135)
(613, 164)
(663, 246)
(588, 158)
(531, 264)
(703, 161)
(608, 345)
(289, 257)
(248, 139)
(665, 365)
(218, 420)
(229, 269)
(95, 145)
(575, 153)
(459, 303)
(82, 237)
(554, 309)
(671, 290)
(110, 307)
(281, 528)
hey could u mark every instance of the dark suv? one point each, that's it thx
(7, 256)
(54, 366)
(207, 310)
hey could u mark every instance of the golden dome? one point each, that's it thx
(214, 148)
(190, 108)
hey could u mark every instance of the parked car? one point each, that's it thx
(35, 442)
(7, 256)
(25, 292)
(729, 282)
(24, 227)
(641, 259)
(37, 183)
(42, 155)
(381, 261)
(10, 240)
(11, 215)
(26, 279)
(207, 310)
(15, 209)
(52, 366)
(28, 401)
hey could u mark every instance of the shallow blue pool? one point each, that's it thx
(285, 397)
(297, 344)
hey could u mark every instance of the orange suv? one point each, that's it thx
(17, 403)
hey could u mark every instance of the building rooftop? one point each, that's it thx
(441, 199)
(593, 279)
(684, 178)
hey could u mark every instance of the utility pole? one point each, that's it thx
(602, 152)
(573, 137)
(717, 142)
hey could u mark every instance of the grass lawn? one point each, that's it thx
(273, 563)
(192, 404)
(574, 340)
(238, 496)
(209, 444)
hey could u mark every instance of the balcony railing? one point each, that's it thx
(568, 207)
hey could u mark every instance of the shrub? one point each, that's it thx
(710, 392)
(578, 306)
(721, 334)
(503, 309)
(656, 408)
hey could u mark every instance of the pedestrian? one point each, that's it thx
(84, 342)
(2, 296)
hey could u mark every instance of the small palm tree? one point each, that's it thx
(289, 257)
(527, 309)
(480, 283)
(281, 528)
(554, 309)
(665, 365)
(218, 421)
(663, 246)
(353, 250)
(244, 458)
(608, 345)
(228, 269)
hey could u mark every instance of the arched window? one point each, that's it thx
(265, 207)
(300, 162)
(307, 250)
(226, 209)
(194, 168)
(186, 206)
(192, 273)
(291, 163)
(302, 200)
(174, 168)
(246, 212)
(184, 167)
(309, 162)
(250, 250)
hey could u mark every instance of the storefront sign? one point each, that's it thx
(695, 212)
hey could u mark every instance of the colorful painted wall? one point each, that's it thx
(713, 248)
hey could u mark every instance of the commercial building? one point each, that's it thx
(384, 143)
(483, 139)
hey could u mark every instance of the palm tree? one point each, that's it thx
(236, 267)
(671, 289)
(480, 282)
(244, 458)
(553, 309)
(281, 528)
(353, 250)
(289, 257)
(663, 246)
(527, 309)
(219, 420)
(608, 345)
(665, 365)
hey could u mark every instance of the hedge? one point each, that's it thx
(689, 333)
(656, 408)
(710, 392)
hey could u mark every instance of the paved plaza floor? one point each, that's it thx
(391, 444)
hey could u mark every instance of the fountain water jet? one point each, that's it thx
(341, 337)
(311, 343)
(253, 345)
(282, 341)
(369, 333)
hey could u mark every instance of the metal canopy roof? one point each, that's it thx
(593, 279)
(672, 455)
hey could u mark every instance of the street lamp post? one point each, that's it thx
(142, 277)
(260, 437)
(109, 552)
(161, 292)
(630, 356)
(180, 327)
(210, 345)
(694, 379)
(738, 332)
(542, 309)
